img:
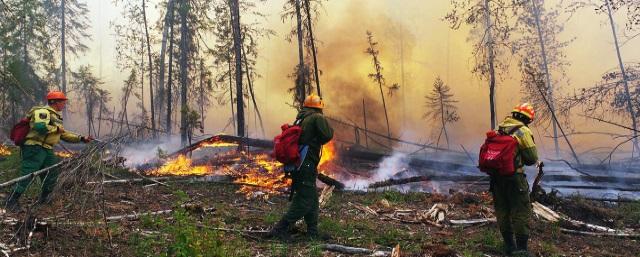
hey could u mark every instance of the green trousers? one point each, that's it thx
(512, 204)
(34, 158)
(305, 197)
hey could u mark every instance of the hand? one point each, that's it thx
(86, 139)
(540, 164)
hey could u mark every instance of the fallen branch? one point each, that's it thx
(352, 250)
(34, 174)
(402, 181)
(330, 181)
(471, 222)
(587, 233)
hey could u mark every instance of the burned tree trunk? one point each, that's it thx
(312, 42)
(237, 47)
(168, 22)
(253, 96)
(624, 81)
(536, 13)
(492, 75)
(301, 74)
(184, 52)
(170, 75)
(146, 33)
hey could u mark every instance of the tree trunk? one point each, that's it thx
(237, 47)
(202, 93)
(625, 82)
(301, 76)
(170, 77)
(233, 112)
(168, 22)
(184, 51)
(63, 66)
(253, 97)
(536, 13)
(492, 75)
(146, 33)
(384, 105)
(444, 122)
(144, 111)
(313, 46)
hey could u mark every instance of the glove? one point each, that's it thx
(60, 130)
(86, 139)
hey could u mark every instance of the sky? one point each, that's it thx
(429, 47)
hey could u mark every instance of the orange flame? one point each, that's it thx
(64, 154)
(4, 150)
(180, 166)
(264, 172)
(328, 155)
(218, 144)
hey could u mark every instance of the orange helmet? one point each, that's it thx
(525, 109)
(56, 95)
(313, 101)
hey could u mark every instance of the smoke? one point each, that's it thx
(388, 167)
(139, 154)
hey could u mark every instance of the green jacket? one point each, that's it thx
(46, 127)
(527, 152)
(316, 131)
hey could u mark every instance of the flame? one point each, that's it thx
(180, 166)
(64, 154)
(218, 144)
(4, 150)
(327, 157)
(263, 171)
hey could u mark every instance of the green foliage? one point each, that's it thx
(279, 250)
(631, 211)
(181, 237)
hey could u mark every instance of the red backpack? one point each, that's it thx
(498, 153)
(285, 148)
(19, 132)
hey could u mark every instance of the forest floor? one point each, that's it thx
(199, 231)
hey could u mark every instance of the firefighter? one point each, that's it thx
(511, 193)
(46, 130)
(316, 132)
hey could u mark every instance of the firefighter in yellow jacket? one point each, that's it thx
(46, 130)
(511, 193)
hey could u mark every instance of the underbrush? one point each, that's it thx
(180, 236)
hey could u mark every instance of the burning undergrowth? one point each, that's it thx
(4, 150)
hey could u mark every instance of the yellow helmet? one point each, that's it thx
(525, 109)
(313, 101)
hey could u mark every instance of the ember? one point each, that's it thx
(180, 166)
(4, 150)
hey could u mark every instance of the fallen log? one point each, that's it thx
(330, 181)
(352, 250)
(33, 175)
(588, 233)
(471, 222)
(245, 141)
(402, 181)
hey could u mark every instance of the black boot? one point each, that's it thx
(12, 203)
(521, 246)
(280, 230)
(45, 198)
(509, 244)
(313, 234)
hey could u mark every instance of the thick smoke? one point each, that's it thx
(388, 167)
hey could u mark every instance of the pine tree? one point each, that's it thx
(441, 106)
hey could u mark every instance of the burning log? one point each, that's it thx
(330, 181)
(395, 182)
(245, 141)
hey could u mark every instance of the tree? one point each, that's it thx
(129, 84)
(184, 55)
(378, 78)
(151, 97)
(86, 86)
(70, 31)
(303, 13)
(541, 49)
(168, 24)
(492, 26)
(440, 106)
(237, 47)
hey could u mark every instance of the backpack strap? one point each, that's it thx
(512, 130)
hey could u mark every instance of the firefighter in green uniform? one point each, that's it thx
(46, 130)
(316, 132)
(511, 193)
